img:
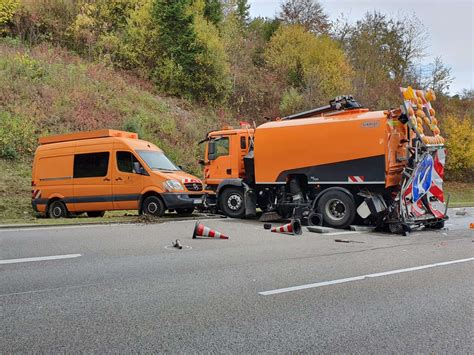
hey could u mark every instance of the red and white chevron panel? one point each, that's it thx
(355, 179)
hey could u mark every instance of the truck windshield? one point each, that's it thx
(157, 160)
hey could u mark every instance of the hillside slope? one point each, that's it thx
(47, 90)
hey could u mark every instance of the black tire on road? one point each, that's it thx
(57, 209)
(153, 206)
(338, 209)
(231, 202)
(95, 214)
(185, 211)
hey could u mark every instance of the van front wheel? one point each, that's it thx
(57, 209)
(153, 206)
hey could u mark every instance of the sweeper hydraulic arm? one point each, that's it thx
(335, 165)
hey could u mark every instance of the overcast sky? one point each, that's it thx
(450, 26)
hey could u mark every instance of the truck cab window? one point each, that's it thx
(218, 147)
(91, 165)
(128, 163)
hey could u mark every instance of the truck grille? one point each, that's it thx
(193, 186)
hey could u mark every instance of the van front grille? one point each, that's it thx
(193, 186)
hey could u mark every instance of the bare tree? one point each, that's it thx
(308, 13)
(440, 76)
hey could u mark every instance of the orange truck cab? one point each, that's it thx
(107, 170)
(333, 165)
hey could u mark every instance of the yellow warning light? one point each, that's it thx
(409, 94)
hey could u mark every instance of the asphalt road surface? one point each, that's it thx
(122, 288)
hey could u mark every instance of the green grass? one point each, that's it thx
(461, 194)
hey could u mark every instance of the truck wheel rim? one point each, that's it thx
(234, 202)
(336, 209)
(152, 207)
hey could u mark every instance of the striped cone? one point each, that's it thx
(200, 230)
(294, 228)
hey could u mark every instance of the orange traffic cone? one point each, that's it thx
(294, 227)
(200, 230)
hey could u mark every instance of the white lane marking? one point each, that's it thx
(362, 277)
(40, 258)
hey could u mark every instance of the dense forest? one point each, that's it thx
(173, 69)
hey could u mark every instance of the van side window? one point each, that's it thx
(91, 165)
(127, 163)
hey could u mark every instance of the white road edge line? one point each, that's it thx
(40, 258)
(362, 277)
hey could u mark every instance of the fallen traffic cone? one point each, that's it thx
(294, 227)
(200, 230)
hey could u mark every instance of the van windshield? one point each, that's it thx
(157, 160)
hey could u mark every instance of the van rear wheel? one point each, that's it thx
(337, 208)
(153, 206)
(57, 209)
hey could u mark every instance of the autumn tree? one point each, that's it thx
(317, 61)
(307, 13)
(193, 59)
(382, 50)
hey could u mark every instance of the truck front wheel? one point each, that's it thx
(232, 202)
(337, 208)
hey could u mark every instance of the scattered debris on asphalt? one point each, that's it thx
(463, 212)
(346, 241)
(267, 226)
(177, 244)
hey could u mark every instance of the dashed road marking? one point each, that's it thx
(40, 258)
(362, 277)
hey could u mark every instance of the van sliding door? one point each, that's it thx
(92, 182)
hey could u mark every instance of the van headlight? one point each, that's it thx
(171, 185)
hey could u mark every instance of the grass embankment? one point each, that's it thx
(47, 90)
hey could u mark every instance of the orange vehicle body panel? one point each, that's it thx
(53, 167)
(327, 140)
(292, 144)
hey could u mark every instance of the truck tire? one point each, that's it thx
(153, 206)
(338, 209)
(95, 214)
(57, 209)
(231, 202)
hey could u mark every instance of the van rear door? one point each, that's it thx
(92, 181)
(127, 180)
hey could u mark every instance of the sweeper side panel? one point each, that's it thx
(342, 148)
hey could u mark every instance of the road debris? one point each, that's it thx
(346, 241)
(177, 244)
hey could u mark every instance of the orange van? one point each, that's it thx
(106, 170)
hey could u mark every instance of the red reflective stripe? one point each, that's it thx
(200, 230)
(212, 234)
